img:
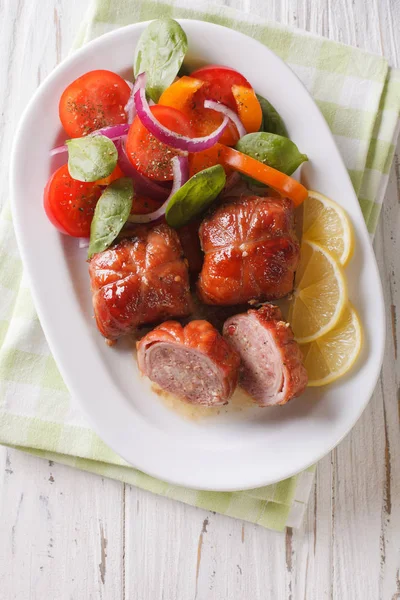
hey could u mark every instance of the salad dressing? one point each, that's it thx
(239, 402)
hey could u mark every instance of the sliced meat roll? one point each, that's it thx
(272, 370)
(251, 251)
(193, 362)
(142, 279)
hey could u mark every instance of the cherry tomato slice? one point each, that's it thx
(143, 205)
(147, 154)
(94, 100)
(70, 204)
(198, 161)
(187, 95)
(220, 80)
(206, 121)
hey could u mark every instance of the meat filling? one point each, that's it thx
(185, 373)
(261, 372)
(193, 362)
(272, 370)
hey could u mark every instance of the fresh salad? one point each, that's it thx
(163, 146)
(180, 184)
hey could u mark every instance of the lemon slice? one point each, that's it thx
(333, 354)
(327, 224)
(320, 294)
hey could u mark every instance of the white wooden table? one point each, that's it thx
(68, 534)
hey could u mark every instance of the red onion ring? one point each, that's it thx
(113, 132)
(130, 109)
(165, 135)
(180, 168)
(83, 242)
(227, 112)
(130, 105)
(58, 150)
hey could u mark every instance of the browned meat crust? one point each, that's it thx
(142, 279)
(251, 251)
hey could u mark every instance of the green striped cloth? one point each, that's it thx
(359, 96)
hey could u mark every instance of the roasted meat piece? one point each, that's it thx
(142, 279)
(251, 251)
(272, 370)
(193, 362)
(189, 238)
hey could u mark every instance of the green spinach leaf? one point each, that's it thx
(110, 215)
(91, 158)
(273, 150)
(160, 52)
(195, 196)
(272, 121)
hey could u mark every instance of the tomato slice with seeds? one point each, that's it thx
(147, 154)
(143, 205)
(70, 204)
(94, 100)
(187, 95)
(220, 80)
(198, 161)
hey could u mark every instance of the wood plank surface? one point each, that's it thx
(67, 534)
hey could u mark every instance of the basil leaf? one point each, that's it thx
(273, 150)
(91, 158)
(195, 196)
(272, 121)
(110, 215)
(160, 52)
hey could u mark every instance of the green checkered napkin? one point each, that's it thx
(359, 96)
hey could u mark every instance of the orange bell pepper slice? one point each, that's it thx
(248, 107)
(180, 94)
(116, 174)
(188, 94)
(285, 185)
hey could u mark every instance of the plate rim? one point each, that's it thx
(40, 308)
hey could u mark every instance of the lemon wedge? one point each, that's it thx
(320, 294)
(332, 355)
(327, 224)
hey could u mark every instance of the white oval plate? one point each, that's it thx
(231, 451)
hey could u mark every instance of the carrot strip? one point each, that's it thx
(285, 185)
